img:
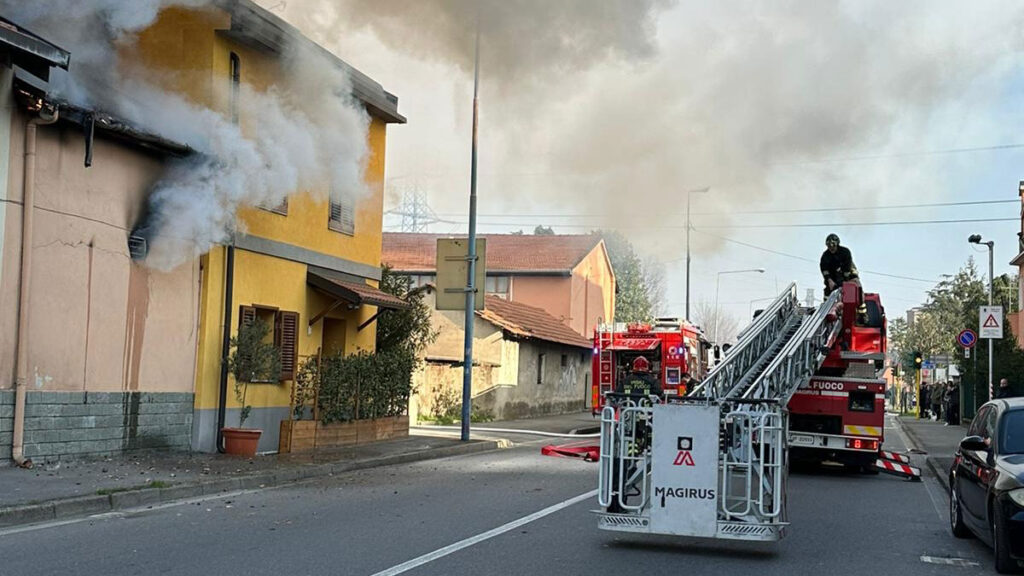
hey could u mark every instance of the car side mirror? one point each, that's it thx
(974, 443)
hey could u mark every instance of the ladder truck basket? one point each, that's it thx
(713, 463)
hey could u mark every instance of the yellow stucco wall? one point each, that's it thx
(183, 51)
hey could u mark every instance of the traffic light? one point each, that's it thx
(917, 360)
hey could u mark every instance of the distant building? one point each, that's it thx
(1015, 320)
(526, 363)
(568, 276)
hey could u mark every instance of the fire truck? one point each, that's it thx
(675, 349)
(839, 414)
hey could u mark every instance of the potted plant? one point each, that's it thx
(253, 359)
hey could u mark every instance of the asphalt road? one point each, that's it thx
(371, 522)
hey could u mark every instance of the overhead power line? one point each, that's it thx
(777, 225)
(804, 259)
(755, 212)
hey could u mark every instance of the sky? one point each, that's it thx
(602, 114)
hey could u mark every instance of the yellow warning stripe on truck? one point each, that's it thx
(862, 430)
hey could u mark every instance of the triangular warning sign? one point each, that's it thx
(991, 322)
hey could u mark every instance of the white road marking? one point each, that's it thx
(452, 548)
(961, 562)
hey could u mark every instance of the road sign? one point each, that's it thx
(967, 338)
(990, 321)
(452, 269)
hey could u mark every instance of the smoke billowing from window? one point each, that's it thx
(304, 135)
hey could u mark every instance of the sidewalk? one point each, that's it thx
(69, 489)
(938, 441)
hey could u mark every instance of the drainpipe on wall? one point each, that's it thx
(25, 288)
(229, 281)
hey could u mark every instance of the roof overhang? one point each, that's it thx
(32, 46)
(353, 292)
(258, 28)
(1018, 260)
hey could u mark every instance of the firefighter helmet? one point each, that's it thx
(641, 364)
(832, 239)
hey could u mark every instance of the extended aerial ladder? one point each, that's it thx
(713, 463)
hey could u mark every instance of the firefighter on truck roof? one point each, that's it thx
(837, 267)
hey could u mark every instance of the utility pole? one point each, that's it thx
(698, 191)
(976, 239)
(467, 368)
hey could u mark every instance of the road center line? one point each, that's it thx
(452, 548)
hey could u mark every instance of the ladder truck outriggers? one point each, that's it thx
(714, 463)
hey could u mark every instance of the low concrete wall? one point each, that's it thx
(69, 425)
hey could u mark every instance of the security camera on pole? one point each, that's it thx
(990, 318)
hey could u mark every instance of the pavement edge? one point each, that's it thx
(929, 461)
(65, 508)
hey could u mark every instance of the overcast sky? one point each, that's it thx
(602, 113)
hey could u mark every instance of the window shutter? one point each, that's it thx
(286, 337)
(342, 217)
(246, 316)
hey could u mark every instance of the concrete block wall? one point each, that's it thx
(69, 425)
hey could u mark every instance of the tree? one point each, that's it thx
(542, 231)
(254, 358)
(632, 299)
(705, 315)
(410, 329)
(654, 282)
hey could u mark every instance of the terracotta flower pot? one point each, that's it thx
(241, 441)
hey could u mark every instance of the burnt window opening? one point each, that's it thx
(236, 79)
(137, 247)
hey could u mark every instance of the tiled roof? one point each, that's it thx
(505, 252)
(358, 293)
(529, 322)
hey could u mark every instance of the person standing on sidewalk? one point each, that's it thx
(952, 404)
(1004, 390)
(937, 395)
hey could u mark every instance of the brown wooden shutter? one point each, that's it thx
(286, 338)
(246, 316)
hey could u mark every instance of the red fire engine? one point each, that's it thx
(839, 415)
(676, 350)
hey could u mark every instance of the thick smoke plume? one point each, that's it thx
(628, 104)
(306, 136)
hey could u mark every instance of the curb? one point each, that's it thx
(77, 506)
(930, 462)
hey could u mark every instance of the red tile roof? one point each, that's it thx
(529, 322)
(505, 252)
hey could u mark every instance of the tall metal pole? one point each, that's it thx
(688, 192)
(467, 368)
(991, 245)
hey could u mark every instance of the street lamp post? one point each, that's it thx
(718, 278)
(976, 239)
(699, 191)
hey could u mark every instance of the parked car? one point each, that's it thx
(986, 481)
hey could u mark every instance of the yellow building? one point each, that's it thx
(310, 266)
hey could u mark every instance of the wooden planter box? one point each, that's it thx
(301, 435)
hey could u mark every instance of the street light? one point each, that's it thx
(976, 239)
(718, 278)
(688, 192)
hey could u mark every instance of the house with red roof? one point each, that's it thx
(568, 276)
(525, 363)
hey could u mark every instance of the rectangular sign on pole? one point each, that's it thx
(452, 269)
(990, 322)
(684, 470)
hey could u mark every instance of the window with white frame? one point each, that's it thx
(497, 286)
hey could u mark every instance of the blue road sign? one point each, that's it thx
(967, 338)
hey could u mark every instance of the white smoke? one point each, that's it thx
(306, 134)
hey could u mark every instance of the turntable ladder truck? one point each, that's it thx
(713, 463)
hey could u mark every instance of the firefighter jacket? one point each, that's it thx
(640, 383)
(839, 266)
